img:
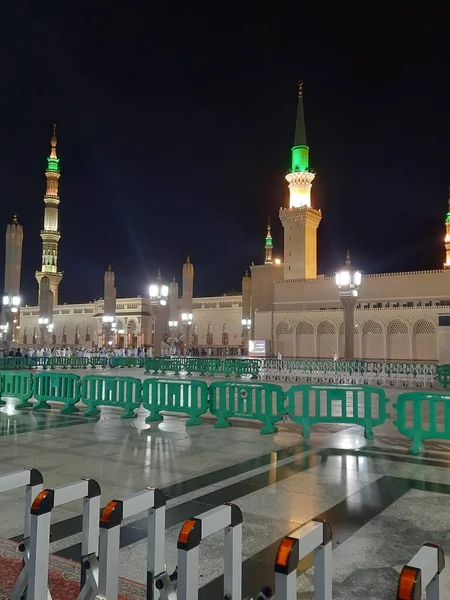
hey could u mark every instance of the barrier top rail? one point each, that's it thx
(37, 554)
(32, 480)
(315, 536)
(103, 574)
(227, 517)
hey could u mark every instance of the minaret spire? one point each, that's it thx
(268, 260)
(447, 235)
(50, 233)
(300, 220)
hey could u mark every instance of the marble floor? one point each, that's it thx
(382, 502)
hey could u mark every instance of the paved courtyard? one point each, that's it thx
(382, 503)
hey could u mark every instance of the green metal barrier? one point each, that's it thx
(119, 392)
(260, 401)
(443, 375)
(56, 387)
(360, 405)
(98, 361)
(175, 395)
(16, 384)
(414, 409)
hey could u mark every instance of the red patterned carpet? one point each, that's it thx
(64, 576)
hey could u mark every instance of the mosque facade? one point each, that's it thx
(284, 302)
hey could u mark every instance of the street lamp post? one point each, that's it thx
(108, 325)
(159, 293)
(348, 281)
(46, 327)
(11, 306)
(173, 326)
(186, 319)
(246, 325)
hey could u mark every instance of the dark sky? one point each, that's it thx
(175, 126)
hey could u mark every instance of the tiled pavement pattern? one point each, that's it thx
(381, 502)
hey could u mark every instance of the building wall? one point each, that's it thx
(395, 334)
(419, 287)
(217, 321)
(220, 316)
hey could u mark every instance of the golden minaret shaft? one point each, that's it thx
(50, 233)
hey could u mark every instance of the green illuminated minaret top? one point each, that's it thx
(53, 160)
(300, 150)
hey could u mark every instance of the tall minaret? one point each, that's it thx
(268, 260)
(13, 258)
(447, 235)
(300, 220)
(173, 300)
(50, 234)
(188, 285)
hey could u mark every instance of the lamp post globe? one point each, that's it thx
(348, 281)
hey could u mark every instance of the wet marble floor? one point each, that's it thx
(382, 503)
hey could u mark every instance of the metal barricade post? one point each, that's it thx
(423, 575)
(32, 480)
(227, 517)
(103, 574)
(315, 536)
(37, 560)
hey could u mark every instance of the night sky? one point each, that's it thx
(175, 126)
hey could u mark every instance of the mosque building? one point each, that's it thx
(284, 302)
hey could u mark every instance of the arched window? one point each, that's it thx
(424, 327)
(397, 327)
(284, 328)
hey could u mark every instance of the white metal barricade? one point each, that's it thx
(103, 572)
(37, 554)
(227, 517)
(423, 575)
(315, 536)
(32, 480)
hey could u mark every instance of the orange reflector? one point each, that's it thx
(39, 498)
(406, 584)
(107, 511)
(186, 530)
(284, 550)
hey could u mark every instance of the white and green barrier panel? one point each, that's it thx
(210, 366)
(118, 392)
(362, 405)
(185, 397)
(420, 415)
(258, 401)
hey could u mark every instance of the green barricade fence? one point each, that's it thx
(14, 362)
(16, 384)
(260, 401)
(98, 361)
(131, 362)
(413, 408)
(443, 375)
(118, 392)
(166, 395)
(56, 387)
(361, 405)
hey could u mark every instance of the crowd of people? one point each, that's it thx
(124, 352)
